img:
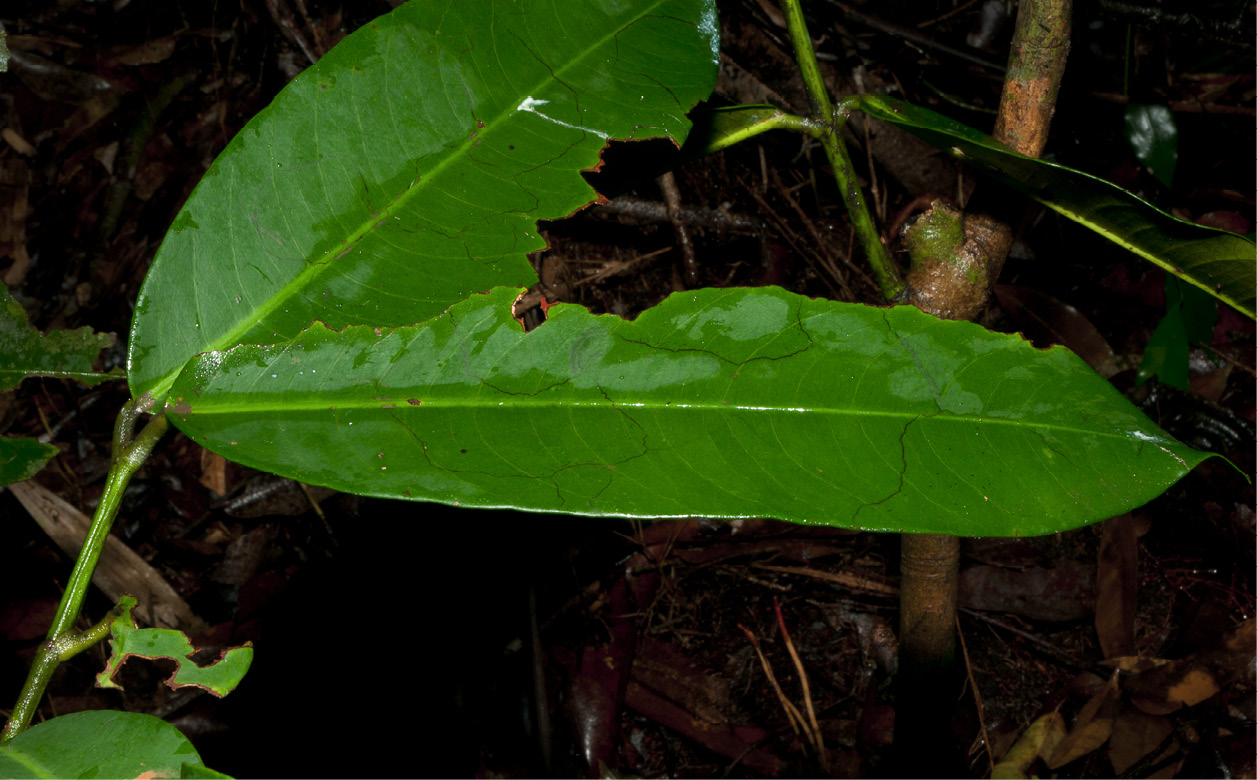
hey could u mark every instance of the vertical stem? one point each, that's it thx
(884, 271)
(1035, 67)
(805, 56)
(925, 687)
(128, 455)
(930, 564)
(930, 576)
(826, 126)
(49, 654)
(45, 663)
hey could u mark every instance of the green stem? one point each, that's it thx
(128, 455)
(63, 642)
(884, 271)
(805, 56)
(49, 654)
(825, 125)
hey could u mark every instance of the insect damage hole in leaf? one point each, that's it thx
(219, 677)
(25, 352)
(400, 174)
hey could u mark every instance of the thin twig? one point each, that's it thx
(792, 713)
(874, 190)
(820, 241)
(672, 199)
(658, 212)
(943, 17)
(784, 232)
(977, 695)
(287, 24)
(909, 34)
(615, 267)
(852, 581)
(1233, 362)
(818, 740)
(320, 42)
(1061, 656)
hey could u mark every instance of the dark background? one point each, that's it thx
(394, 639)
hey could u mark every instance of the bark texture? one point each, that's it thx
(952, 290)
(929, 580)
(1035, 67)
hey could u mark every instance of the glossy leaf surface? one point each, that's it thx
(718, 403)
(1153, 136)
(25, 352)
(100, 743)
(1222, 264)
(409, 167)
(21, 459)
(219, 677)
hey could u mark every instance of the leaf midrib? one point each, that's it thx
(381, 404)
(313, 271)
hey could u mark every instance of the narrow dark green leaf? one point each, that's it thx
(25, 352)
(1153, 136)
(21, 459)
(409, 167)
(717, 403)
(1222, 264)
(219, 677)
(99, 743)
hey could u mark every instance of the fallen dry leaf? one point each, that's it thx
(1061, 593)
(214, 472)
(1135, 734)
(19, 144)
(1039, 739)
(120, 571)
(1134, 664)
(148, 53)
(1091, 729)
(1197, 677)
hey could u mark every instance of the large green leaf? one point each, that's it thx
(102, 743)
(719, 403)
(25, 352)
(1220, 263)
(409, 167)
